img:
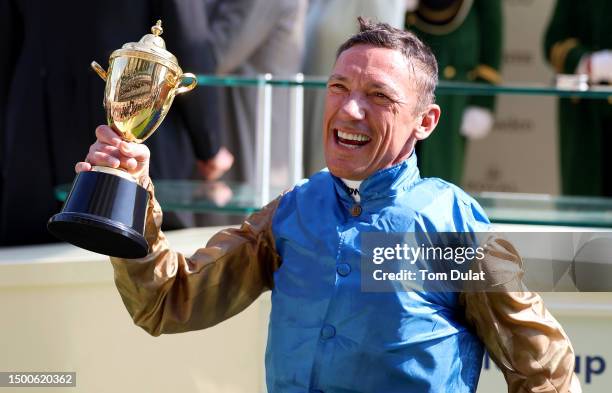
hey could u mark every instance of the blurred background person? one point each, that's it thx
(50, 100)
(466, 37)
(328, 24)
(579, 40)
(250, 38)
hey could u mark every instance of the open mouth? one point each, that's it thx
(351, 140)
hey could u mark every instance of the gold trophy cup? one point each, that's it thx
(105, 211)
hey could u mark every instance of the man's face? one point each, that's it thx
(370, 118)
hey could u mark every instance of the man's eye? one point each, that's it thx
(382, 96)
(336, 87)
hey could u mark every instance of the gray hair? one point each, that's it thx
(418, 55)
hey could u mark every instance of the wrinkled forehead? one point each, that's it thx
(370, 65)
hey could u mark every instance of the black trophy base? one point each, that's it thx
(98, 235)
(104, 213)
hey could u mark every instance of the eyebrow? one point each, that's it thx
(337, 77)
(376, 85)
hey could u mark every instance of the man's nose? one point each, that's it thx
(353, 108)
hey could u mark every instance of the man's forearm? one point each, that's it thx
(524, 340)
(166, 292)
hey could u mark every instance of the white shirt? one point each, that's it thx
(353, 188)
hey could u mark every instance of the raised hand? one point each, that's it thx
(111, 151)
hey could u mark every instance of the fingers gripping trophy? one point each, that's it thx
(106, 208)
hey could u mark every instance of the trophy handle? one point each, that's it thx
(187, 82)
(99, 70)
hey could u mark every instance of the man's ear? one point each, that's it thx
(429, 121)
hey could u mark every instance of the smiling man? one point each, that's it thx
(325, 333)
(379, 103)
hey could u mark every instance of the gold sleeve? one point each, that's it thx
(524, 340)
(166, 292)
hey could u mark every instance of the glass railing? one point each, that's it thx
(533, 209)
(541, 209)
(238, 198)
(444, 87)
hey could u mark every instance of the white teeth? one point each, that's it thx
(348, 146)
(353, 137)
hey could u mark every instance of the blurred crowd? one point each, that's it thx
(51, 102)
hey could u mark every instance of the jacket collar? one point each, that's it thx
(386, 182)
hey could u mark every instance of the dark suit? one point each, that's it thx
(50, 100)
(252, 37)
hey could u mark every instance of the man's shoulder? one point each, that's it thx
(316, 186)
(307, 203)
(320, 179)
(443, 188)
(438, 197)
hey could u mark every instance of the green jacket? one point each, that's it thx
(465, 36)
(577, 28)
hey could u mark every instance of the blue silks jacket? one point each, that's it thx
(328, 332)
(325, 333)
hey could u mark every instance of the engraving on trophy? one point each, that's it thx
(137, 101)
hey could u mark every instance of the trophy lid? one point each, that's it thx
(150, 47)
